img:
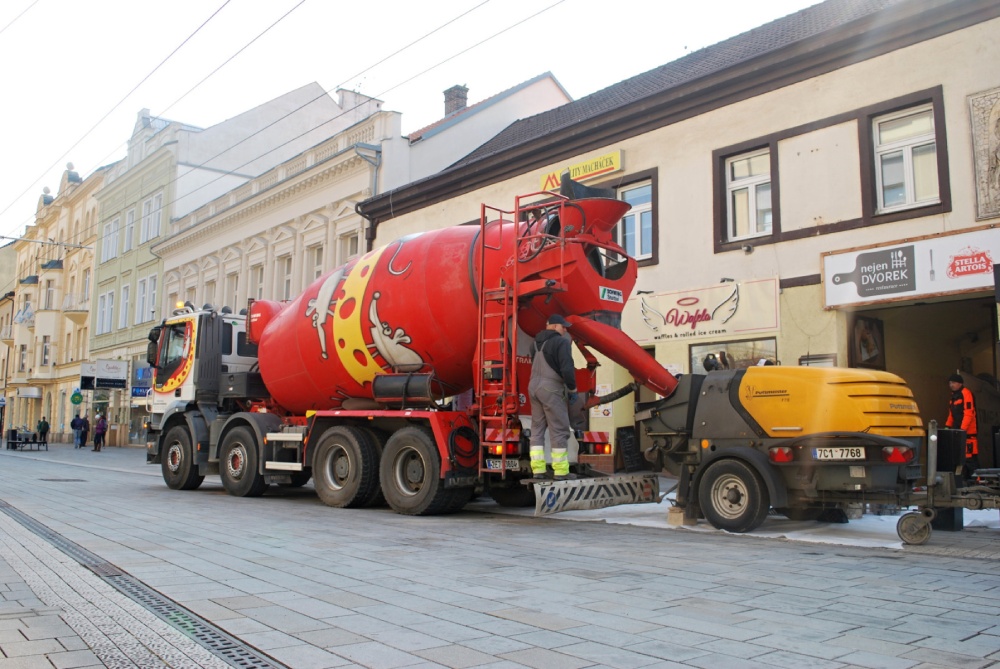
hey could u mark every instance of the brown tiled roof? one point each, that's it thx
(802, 25)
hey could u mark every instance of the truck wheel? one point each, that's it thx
(345, 469)
(180, 472)
(410, 474)
(733, 496)
(239, 466)
(513, 496)
(379, 439)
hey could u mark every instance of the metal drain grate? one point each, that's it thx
(219, 643)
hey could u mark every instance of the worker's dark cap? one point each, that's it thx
(957, 378)
(556, 319)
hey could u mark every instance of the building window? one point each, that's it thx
(22, 363)
(748, 195)
(150, 314)
(906, 173)
(315, 262)
(68, 350)
(210, 293)
(233, 289)
(129, 230)
(105, 312)
(140, 301)
(349, 245)
(46, 350)
(257, 282)
(635, 231)
(110, 242)
(50, 293)
(123, 308)
(284, 274)
(151, 211)
(86, 285)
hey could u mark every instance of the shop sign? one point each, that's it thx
(726, 310)
(938, 265)
(591, 168)
(104, 374)
(30, 392)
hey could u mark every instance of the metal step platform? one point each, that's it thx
(594, 493)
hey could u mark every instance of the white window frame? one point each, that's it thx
(105, 312)
(129, 230)
(284, 274)
(151, 284)
(50, 294)
(110, 241)
(347, 241)
(315, 262)
(751, 184)
(123, 308)
(22, 364)
(257, 281)
(46, 350)
(210, 292)
(627, 226)
(232, 290)
(140, 301)
(151, 213)
(906, 148)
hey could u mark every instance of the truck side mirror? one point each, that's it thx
(154, 334)
(152, 348)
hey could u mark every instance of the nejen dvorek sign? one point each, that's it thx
(727, 310)
(942, 264)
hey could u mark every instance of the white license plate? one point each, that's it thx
(513, 464)
(839, 453)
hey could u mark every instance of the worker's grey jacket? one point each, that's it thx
(558, 353)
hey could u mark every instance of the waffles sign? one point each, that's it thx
(726, 310)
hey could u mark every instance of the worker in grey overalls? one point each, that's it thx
(553, 383)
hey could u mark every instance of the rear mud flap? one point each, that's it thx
(595, 493)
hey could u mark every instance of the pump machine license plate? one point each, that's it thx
(839, 453)
(513, 464)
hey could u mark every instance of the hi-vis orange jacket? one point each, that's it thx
(962, 415)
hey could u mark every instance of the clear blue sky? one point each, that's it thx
(68, 63)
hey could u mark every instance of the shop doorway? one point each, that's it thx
(926, 342)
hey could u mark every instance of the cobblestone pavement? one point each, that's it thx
(294, 583)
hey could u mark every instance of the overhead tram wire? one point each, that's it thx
(377, 95)
(14, 20)
(116, 106)
(325, 92)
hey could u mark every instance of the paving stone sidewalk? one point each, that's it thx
(56, 613)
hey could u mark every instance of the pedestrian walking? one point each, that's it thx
(84, 430)
(100, 428)
(962, 416)
(552, 385)
(43, 431)
(77, 426)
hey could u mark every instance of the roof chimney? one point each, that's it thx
(455, 99)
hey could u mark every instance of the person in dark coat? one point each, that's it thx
(43, 431)
(77, 426)
(100, 429)
(552, 385)
(84, 430)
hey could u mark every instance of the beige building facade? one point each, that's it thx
(48, 335)
(822, 190)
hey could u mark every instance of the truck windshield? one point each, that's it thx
(174, 350)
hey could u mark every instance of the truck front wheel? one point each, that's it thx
(733, 496)
(411, 475)
(345, 471)
(239, 467)
(180, 472)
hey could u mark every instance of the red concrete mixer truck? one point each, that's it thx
(357, 383)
